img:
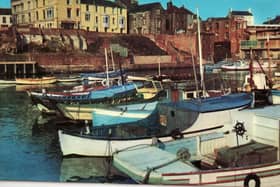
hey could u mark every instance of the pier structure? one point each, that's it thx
(18, 66)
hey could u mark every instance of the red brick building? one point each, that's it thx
(177, 20)
(228, 32)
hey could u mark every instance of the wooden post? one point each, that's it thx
(24, 69)
(5, 68)
(33, 69)
(15, 68)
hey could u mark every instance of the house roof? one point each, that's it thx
(146, 7)
(174, 9)
(5, 11)
(276, 20)
(216, 19)
(241, 13)
(101, 3)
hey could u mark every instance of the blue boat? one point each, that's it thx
(102, 75)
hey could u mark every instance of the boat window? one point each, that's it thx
(190, 95)
(148, 85)
(172, 113)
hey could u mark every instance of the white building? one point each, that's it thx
(242, 15)
(5, 17)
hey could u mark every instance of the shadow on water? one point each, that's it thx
(90, 169)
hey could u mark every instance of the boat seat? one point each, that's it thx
(208, 161)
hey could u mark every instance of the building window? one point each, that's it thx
(96, 8)
(87, 8)
(217, 26)
(68, 2)
(29, 17)
(120, 10)
(28, 5)
(50, 13)
(77, 1)
(77, 12)
(37, 15)
(23, 18)
(11, 20)
(36, 3)
(226, 25)
(44, 2)
(113, 21)
(68, 12)
(87, 16)
(96, 19)
(226, 35)
(106, 20)
(104, 9)
(4, 20)
(44, 14)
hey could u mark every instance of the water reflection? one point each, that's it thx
(90, 169)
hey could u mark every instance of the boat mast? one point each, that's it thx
(113, 62)
(200, 56)
(107, 73)
(269, 62)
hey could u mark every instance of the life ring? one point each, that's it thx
(176, 134)
(252, 177)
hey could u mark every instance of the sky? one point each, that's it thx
(261, 9)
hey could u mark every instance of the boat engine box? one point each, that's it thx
(245, 155)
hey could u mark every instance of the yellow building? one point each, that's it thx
(103, 16)
(92, 15)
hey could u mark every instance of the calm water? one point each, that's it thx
(29, 148)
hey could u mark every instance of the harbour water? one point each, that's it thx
(29, 147)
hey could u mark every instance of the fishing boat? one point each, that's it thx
(3, 82)
(241, 155)
(113, 94)
(215, 66)
(84, 111)
(37, 81)
(174, 120)
(236, 66)
(69, 79)
(150, 91)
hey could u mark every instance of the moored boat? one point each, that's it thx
(150, 91)
(176, 120)
(69, 79)
(236, 66)
(242, 156)
(37, 81)
(84, 111)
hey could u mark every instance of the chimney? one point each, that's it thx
(169, 4)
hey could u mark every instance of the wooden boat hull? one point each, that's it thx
(84, 111)
(38, 81)
(69, 79)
